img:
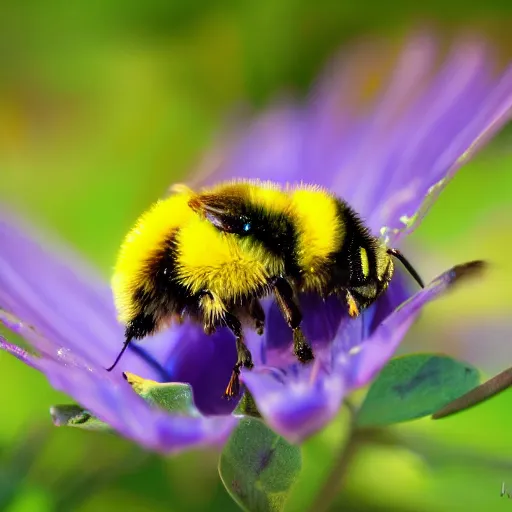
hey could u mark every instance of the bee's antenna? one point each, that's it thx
(125, 346)
(400, 257)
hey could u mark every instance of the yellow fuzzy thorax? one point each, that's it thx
(218, 262)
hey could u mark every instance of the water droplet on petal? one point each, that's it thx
(67, 357)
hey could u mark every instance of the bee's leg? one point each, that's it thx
(257, 314)
(244, 357)
(139, 327)
(250, 313)
(284, 297)
(209, 328)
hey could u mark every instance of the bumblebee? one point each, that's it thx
(211, 255)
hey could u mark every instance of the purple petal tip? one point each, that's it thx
(470, 269)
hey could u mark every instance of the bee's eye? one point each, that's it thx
(236, 224)
(243, 225)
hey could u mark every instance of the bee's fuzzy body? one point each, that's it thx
(210, 255)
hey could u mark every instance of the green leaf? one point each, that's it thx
(414, 386)
(75, 416)
(258, 467)
(171, 397)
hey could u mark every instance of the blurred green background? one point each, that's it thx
(104, 104)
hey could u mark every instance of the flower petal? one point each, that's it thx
(66, 303)
(353, 333)
(364, 362)
(114, 402)
(296, 404)
(40, 343)
(400, 289)
(18, 352)
(358, 178)
(441, 145)
(204, 362)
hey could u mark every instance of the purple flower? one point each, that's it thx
(388, 157)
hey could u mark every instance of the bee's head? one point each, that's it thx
(257, 215)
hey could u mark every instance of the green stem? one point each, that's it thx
(333, 484)
(487, 390)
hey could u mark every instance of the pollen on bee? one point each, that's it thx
(353, 310)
